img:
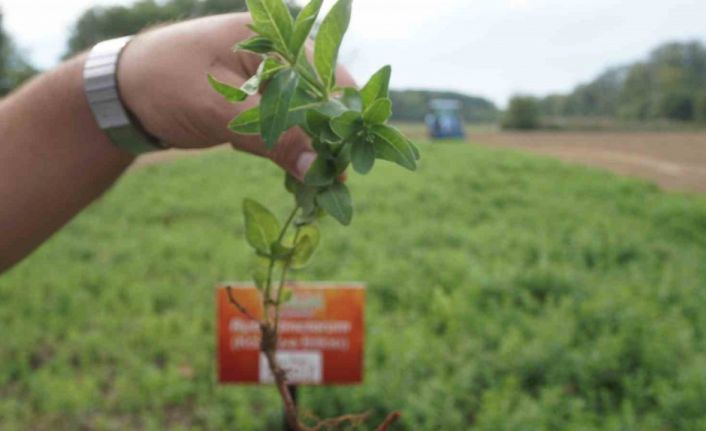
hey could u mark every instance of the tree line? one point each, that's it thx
(670, 84)
(14, 69)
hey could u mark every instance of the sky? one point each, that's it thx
(489, 48)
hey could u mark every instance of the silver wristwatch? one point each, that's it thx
(101, 84)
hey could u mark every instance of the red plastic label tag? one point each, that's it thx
(320, 341)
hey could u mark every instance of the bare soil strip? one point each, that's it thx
(675, 161)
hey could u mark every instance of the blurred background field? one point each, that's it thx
(506, 291)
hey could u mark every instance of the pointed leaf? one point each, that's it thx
(261, 226)
(247, 123)
(363, 156)
(272, 19)
(303, 25)
(347, 124)
(305, 246)
(269, 68)
(328, 41)
(391, 145)
(336, 200)
(342, 159)
(232, 94)
(306, 198)
(256, 44)
(415, 150)
(377, 87)
(274, 106)
(318, 125)
(321, 173)
(378, 112)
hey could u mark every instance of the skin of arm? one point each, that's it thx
(55, 161)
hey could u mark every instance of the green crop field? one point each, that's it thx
(506, 292)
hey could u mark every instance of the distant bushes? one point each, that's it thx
(668, 85)
(523, 113)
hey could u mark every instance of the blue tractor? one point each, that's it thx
(444, 120)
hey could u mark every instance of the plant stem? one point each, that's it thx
(273, 261)
(282, 281)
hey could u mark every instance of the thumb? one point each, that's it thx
(293, 153)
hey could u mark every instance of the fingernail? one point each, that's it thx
(304, 162)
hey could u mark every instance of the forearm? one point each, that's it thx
(54, 160)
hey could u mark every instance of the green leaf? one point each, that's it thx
(306, 199)
(347, 124)
(287, 295)
(260, 277)
(272, 19)
(321, 173)
(256, 44)
(391, 145)
(363, 156)
(343, 159)
(336, 200)
(247, 123)
(279, 251)
(232, 94)
(261, 226)
(415, 150)
(378, 87)
(331, 109)
(328, 41)
(351, 98)
(303, 25)
(269, 68)
(305, 246)
(318, 125)
(274, 106)
(290, 183)
(378, 112)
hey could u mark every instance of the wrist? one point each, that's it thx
(107, 102)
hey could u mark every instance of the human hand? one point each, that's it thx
(162, 79)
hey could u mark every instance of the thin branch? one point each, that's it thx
(389, 421)
(238, 305)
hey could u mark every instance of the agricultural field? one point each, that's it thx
(507, 291)
(675, 160)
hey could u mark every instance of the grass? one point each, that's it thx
(506, 292)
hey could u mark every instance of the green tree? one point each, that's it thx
(523, 113)
(637, 95)
(14, 69)
(665, 85)
(101, 23)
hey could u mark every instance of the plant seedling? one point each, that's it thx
(347, 127)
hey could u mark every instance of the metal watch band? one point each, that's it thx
(101, 85)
